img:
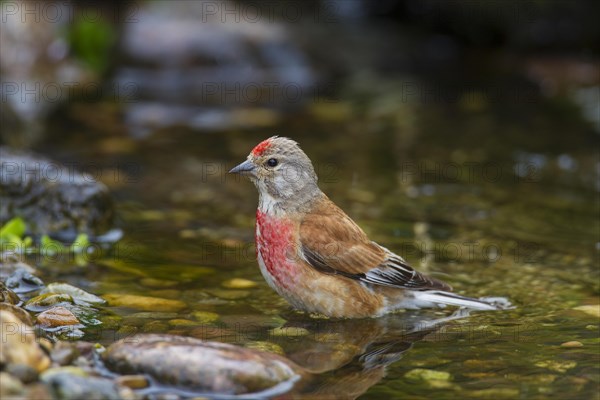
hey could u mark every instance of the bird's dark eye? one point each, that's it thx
(272, 162)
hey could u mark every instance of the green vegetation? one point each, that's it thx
(13, 239)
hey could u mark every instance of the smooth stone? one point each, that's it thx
(590, 309)
(24, 373)
(57, 316)
(239, 283)
(18, 344)
(66, 385)
(7, 295)
(10, 386)
(423, 374)
(144, 302)
(182, 323)
(78, 295)
(69, 370)
(572, 344)
(132, 381)
(205, 317)
(64, 353)
(17, 312)
(203, 366)
(44, 301)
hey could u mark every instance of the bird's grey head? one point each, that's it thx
(281, 171)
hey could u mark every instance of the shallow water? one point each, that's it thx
(497, 201)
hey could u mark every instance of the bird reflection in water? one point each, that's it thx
(344, 358)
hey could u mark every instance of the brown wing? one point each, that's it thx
(333, 244)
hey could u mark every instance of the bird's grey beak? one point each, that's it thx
(245, 168)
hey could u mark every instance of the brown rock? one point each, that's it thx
(144, 302)
(132, 381)
(64, 353)
(572, 344)
(57, 316)
(203, 366)
(7, 295)
(17, 312)
(18, 344)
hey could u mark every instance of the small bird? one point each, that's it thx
(317, 258)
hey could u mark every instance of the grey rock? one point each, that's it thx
(68, 386)
(18, 276)
(51, 197)
(24, 373)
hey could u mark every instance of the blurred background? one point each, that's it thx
(462, 134)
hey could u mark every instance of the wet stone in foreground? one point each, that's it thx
(195, 365)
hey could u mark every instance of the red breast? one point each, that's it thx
(275, 242)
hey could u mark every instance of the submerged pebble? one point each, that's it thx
(133, 381)
(239, 283)
(572, 344)
(590, 309)
(205, 317)
(432, 378)
(144, 302)
(427, 375)
(182, 323)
